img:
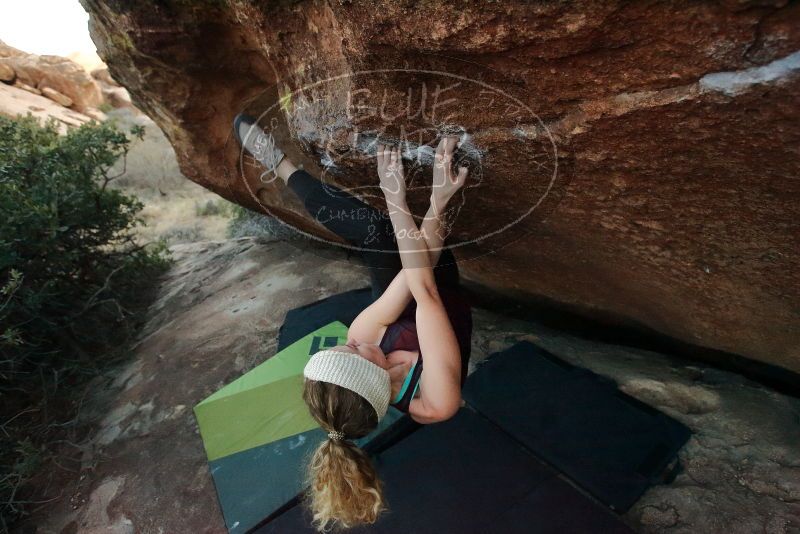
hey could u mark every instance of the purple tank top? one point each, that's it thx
(402, 335)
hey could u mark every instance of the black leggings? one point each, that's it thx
(364, 227)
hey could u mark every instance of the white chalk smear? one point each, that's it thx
(293, 444)
(733, 83)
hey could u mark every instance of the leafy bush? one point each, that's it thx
(73, 278)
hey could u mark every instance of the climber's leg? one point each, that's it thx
(355, 221)
(285, 170)
(361, 225)
(367, 229)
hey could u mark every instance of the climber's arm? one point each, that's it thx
(440, 389)
(440, 382)
(411, 243)
(396, 297)
(370, 323)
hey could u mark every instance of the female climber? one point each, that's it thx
(417, 309)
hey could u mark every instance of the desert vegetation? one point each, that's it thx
(76, 274)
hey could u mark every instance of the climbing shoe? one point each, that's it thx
(259, 144)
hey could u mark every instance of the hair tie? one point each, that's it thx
(335, 435)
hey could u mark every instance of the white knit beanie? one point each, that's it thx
(352, 372)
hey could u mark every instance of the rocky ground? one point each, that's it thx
(142, 467)
(55, 87)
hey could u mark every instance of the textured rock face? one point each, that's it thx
(15, 101)
(56, 74)
(113, 94)
(644, 157)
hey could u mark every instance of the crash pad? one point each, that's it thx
(263, 405)
(258, 433)
(343, 307)
(608, 442)
(465, 475)
(540, 446)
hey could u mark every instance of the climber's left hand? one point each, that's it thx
(392, 178)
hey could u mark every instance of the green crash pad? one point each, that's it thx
(258, 433)
(264, 405)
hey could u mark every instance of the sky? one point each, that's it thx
(57, 27)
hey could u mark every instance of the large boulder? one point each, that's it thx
(15, 101)
(635, 162)
(56, 73)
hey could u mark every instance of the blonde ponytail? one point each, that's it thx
(344, 488)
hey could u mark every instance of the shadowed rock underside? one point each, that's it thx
(658, 142)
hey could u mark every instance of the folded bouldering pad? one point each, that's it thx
(343, 308)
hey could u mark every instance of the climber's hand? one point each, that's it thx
(390, 172)
(445, 181)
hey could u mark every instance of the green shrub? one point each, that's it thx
(73, 278)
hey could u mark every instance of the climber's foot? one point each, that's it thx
(260, 145)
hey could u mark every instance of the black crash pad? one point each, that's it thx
(609, 443)
(343, 307)
(465, 475)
